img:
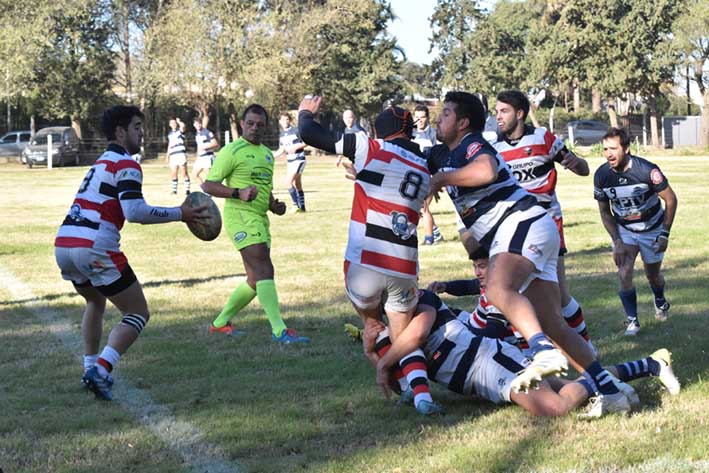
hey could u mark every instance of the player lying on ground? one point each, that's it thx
(474, 365)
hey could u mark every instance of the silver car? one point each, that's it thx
(14, 142)
(65, 147)
(586, 132)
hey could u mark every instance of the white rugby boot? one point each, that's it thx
(545, 363)
(667, 376)
(662, 313)
(600, 405)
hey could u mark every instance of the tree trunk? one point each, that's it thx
(126, 60)
(533, 117)
(612, 116)
(76, 125)
(595, 101)
(654, 129)
(551, 117)
(33, 125)
(577, 97)
(704, 129)
(233, 120)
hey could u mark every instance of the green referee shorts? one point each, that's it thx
(247, 228)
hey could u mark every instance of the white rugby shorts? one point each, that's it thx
(367, 289)
(204, 162)
(179, 159)
(107, 271)
(496, 365)
(533, 234)
(645, 240)
(297, 166)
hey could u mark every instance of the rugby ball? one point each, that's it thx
(206, 229)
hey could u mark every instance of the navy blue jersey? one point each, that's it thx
(291, 137)
(450, 347)
(482, 209)
(204, 137)
(176, 143)
(425, 138)
(632, 193)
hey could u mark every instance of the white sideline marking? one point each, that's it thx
(182, 437)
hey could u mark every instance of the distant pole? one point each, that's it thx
(226, 137)
(49, 151)
(689, 98)
(571, 135)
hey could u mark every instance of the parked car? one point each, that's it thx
(586, 132)
(14, 142)
(65, 147)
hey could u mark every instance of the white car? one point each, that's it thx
(14, 142)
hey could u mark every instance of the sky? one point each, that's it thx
(412, 29)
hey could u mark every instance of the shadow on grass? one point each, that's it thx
(189, 282)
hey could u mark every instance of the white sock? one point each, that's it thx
(111, 356)
(90, 361)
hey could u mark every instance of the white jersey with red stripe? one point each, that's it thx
(110, 193)
(392, 182)
(531, 159)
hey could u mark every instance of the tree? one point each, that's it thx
(691, 32)
(75, 71)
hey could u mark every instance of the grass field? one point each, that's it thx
(190, 401)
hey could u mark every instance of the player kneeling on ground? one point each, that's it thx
(87, 246)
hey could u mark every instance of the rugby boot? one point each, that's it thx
(545, 363)
(667, 376)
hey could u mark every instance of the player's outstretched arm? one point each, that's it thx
(480, 172)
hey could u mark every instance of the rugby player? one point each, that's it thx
(628, 190)
(176, 156)
(476, 365)
(531, 153)
(206, 145)
(523, 244)
(246, 168)
(291, 145)
(425, 136)
(381, 260)
(87, 246)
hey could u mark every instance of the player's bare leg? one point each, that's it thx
(92, 320)
(545, 401)
(570, 308)
(506, 274)
(626, 292)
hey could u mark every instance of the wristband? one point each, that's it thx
(235, 194)
(665, 234)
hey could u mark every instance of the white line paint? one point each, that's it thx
(182, 437)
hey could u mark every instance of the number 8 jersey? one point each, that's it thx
(391, 185)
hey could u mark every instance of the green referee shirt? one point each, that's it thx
(241, 164)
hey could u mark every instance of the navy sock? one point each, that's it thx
(630, 303)
(293, 195)
(588, 385)
(539, 342)
(301, 200)
(601, 378)
(659, 295)
(637, 369)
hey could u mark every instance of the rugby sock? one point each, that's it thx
(574, 318)
(301, 200)
(414, 367)
(659, 295)
(382, 347)
(590, 389)
(601, 378)
(437, 234)
(539, 342)
(187, 186)
(238, 299)
(174, 186)
(90, 361)
(108, 359)
(293, 195)
(629, 299)
(638, 369)
(268, 297)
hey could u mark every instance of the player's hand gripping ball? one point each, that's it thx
(206, 229)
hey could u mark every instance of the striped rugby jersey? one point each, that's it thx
(291, 137)
(531, 160)
(204, 137)
(111, 189)
(391, 184)
(632, 193)
(482, 209)
(176, 144)
(450, 347)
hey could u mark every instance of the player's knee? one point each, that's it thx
(136, 321)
